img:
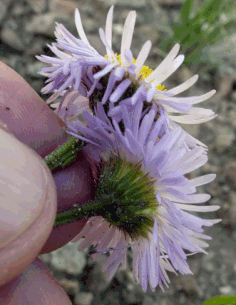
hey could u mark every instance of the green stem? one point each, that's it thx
(64, 154)
(84, 211)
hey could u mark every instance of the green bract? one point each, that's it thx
(128, 197)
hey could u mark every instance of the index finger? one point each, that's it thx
(29, 118)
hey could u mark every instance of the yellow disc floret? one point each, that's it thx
(144, 73)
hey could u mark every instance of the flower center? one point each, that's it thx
(144, 73)
(98, 94)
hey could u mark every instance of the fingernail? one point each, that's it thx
(22, 187)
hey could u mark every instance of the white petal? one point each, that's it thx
(193, 199)
(210, 222)
(79, 27)
(59, 53)
(104, 71)
(116, 238)
(191, 119)
(198, 242)
(155, 232)
(127, 35)
(163, 75)
(143, 276)
(143, 54)
(202, 236)
(108, 31)
(112, 54)
(189, 139)
(152, 266)
(202, 180)
(210, 208)
(189, 83)
(113, 268)
(194, 165)
(115, 258)
(135, 263)
(92, 237)
(166, 62)
(197, 111)
(150, 93)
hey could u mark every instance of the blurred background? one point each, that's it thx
(206, 32)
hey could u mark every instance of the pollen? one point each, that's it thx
(144, 73)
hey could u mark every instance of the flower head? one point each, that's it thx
(162, 157)
(118, 80)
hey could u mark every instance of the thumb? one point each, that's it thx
(28, 205)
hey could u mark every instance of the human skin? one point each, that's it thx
(30, 127)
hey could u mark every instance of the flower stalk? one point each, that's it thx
(87, 210)
(64, 154)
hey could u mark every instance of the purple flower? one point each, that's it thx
(120, 79)
(163, 157)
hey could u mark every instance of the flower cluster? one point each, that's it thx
(141, 154)
(116, 80)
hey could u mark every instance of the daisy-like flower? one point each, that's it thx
(120, 79)
(141, 171)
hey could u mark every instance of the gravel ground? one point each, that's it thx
(25, 28)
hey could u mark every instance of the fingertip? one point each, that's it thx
(27, 115)
(28, 206)
(34, 286)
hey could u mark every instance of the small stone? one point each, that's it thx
(64, 9)
(189, 284)
(11, 61)
(38, 6)
(192, 129)
(170, 2)
(185, 73)
(165, 302)
(129, 296)
(226, 206)
(36, 47)
(233, 96)
(83, 298)
(10, 37)
(71, 287)
(209, 266)
(98, 279)
(230, 174)
(118, 28)
(112, 297)
(69, 259)
(134, 4)
(232, 116)
(96, 42)
(34, 68)
(45, 258)
(232, 208)
(224, 138)
(226, 188)
(18, 10)
(149, 31)
(223, 85)
(226, 290)
(42, 24)
(147, 300)
(3, 8)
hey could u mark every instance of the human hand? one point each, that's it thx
(31, 196)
